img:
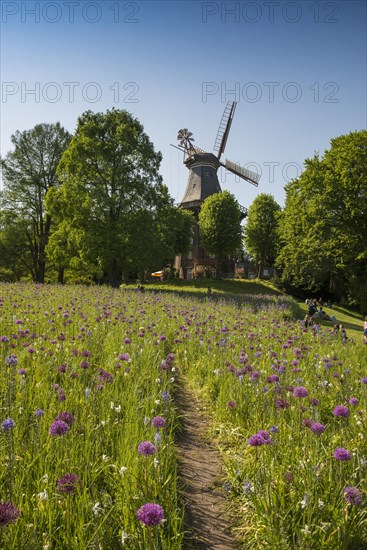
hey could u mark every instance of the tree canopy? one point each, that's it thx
(29, 172)
(220, 225)
(260, 232)
(113, 208)
(324, 224)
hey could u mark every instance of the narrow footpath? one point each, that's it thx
(207, 524)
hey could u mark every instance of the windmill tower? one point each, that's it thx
(203, 182)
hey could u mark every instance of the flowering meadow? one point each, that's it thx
(88, 378)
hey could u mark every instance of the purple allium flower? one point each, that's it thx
(124, 357)
(158, 422)
(66, 417)
(58, 427)
(231, 404)
(150, 514)
(8, 424)
(8, 513)
(127, 341)
(272, 378)
(317, 428)
(364, 380)
(13, 360)
(22, 371)
(274, 429)
(68, 483)
(315, 402)
(165, 395)
(288, 477)
(85, 364)
(146, 448)
(341, 410)
(307, 422)
(353, 495)
(260, 438)
(39, 412)
(255, 375)
(281, 404)
(353, 401)
(342, 454)
(300, 391)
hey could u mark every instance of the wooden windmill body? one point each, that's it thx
(202, 183)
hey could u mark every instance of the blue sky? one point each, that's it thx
(297, 70)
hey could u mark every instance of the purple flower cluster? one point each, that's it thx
(146, 448)
(58, 427)
(68, 483)
(8, 513)
(341, 410)
(300, 391)
(66, 417)
(342, 454)
(150, 514)
(353, 495)
(158, 422)
(8, 424)
(260, 438)
(317, 428)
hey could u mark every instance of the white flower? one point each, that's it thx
(105, 458)
(87, 393)
(97, 509)
(118, 408)
(157, 401)
(44, 478)
(122, 470)
(124, 537)
(43, 495)
(112, 405)
(306, 530)
(303, 502)
(156, 462)
(321, 504)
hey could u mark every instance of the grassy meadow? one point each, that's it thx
(88, 419)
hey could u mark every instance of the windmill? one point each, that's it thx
(203, 182)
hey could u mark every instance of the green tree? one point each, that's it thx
(29, 172)
(324, 224)
(220, 226)
(112, 201)
(260, 232)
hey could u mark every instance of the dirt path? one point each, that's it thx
(200, 469)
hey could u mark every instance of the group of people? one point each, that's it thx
(314, 312)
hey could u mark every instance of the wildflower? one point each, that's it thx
(317, 428)
(68, 483)
(66, 417)
(8, 513)
(39, 412)
(304, 502)
(146, 448)
(97, 509)
(353, 401)
(43, 495)
(11, 360)
(281, 404)
(274, 429)
(364, 380)
(231, 404)
(342, 454)
(8, 424)
(122, 471)
(22, 371)
(300, 391)
(150, 514)
(260, 438)
(58, 427)
(124, 537)
(353, 495)
(166, 396)
(158, 422)
(247, 487)
(341, 410)
(87, 393)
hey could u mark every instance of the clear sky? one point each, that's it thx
(296, 68)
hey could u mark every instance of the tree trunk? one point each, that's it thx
(60, 276)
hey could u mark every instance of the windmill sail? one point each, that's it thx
(242, 172)
(224, 127)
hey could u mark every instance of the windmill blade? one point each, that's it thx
(224, 127)
(242, 172)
